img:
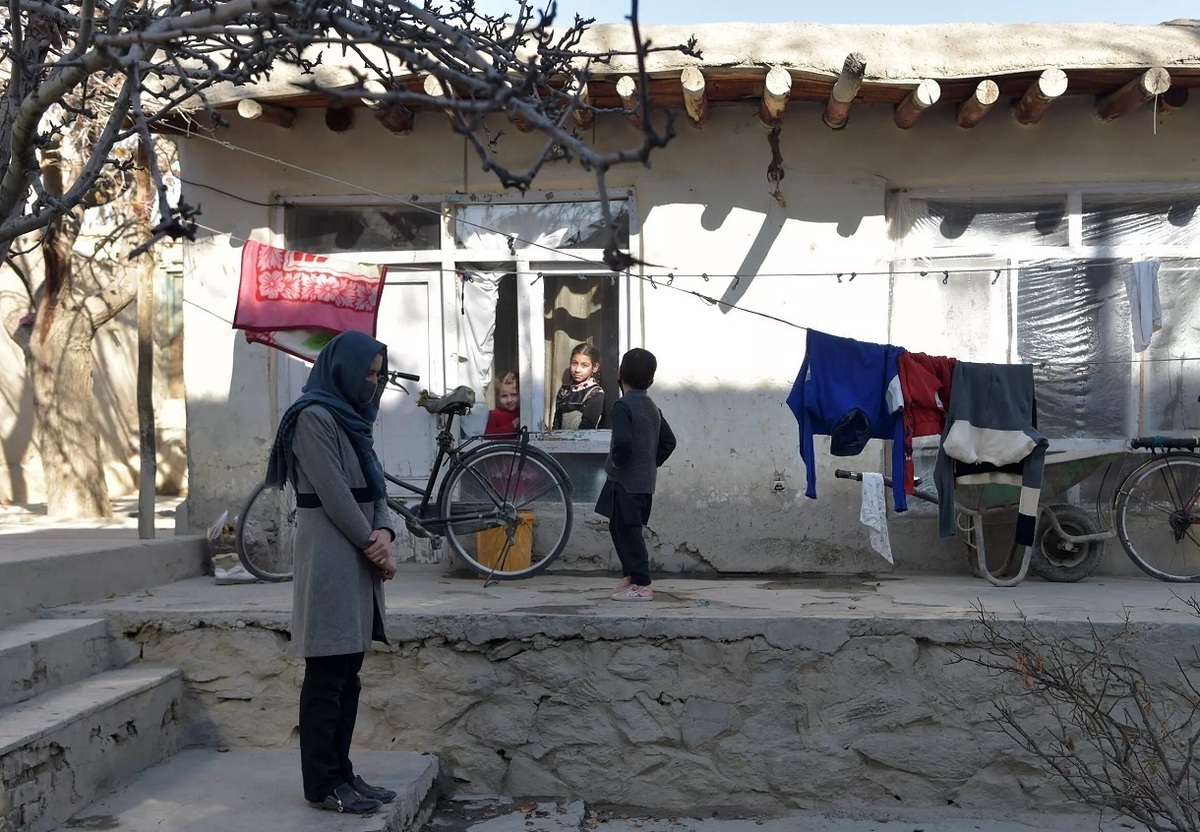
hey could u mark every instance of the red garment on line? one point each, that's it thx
(925, 385)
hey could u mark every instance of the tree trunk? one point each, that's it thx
(65, 407)
(147, 446)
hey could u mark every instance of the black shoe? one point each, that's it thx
(346, 799)
(373, 792)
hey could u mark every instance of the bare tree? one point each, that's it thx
(1113, 738)
(89, 76)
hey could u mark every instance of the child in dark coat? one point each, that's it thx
(641, 442)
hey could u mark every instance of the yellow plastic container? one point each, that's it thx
(490, 545)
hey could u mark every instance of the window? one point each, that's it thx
(522, 283)
(1057, 277)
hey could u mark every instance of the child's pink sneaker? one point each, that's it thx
(634, 593)
(625, 582)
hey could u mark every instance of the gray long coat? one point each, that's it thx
(337, 601)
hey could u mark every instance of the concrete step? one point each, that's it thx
(63, 748)
(203, 790)
(37, 656)
(42, 569)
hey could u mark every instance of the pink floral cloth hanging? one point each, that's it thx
(290, 299)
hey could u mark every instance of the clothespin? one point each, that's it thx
(670, 278)
(705, 276)
(512, 244)
(997, 277)
(945, 277)
(653, 285)
(737, 278)
(852, 276)
(839, 277)
(539, 277)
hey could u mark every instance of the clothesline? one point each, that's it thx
(667, 279)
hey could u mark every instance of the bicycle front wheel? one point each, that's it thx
(266, 533)
(509, 510)
(1156, 514)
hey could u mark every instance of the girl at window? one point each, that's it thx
(505, 421)
(580, 402)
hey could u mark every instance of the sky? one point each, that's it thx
(873, 11)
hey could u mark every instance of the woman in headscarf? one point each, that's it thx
(325, 449)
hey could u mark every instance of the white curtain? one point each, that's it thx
(502, 232)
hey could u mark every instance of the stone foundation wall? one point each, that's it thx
(747, 716)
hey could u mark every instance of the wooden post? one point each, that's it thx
(986, 94)
(583, 118)
(147, 436)
(253, 110)
(695, 100)
(627, 92)
(1041, 93)
(339, 119)
(918, 101)
(1172, 100)
(1152, 82)
(776, 90)
(837, 109)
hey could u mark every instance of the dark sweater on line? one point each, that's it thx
(641, 442)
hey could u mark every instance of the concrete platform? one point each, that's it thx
(247, 788)
(747, 696)
(46, 562)
(424, 601)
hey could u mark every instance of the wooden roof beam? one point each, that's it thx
(396, 118)
(627, 92)
(252, 110)
(1172, 100)
(432, 87)
(776, 90)
(695, 99)
(583, 118)
(339, 119)
(918, 101)
(971, 111)
(1152, 82)
(1041, 94)
(845, 88)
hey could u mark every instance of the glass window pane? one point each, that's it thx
(554, 225)
(587, 475)
(329, 229)
(580, 310)
(982, 224)
(1156, 220)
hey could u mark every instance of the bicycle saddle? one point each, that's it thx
(459, 400)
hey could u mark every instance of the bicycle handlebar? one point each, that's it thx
(393, 375)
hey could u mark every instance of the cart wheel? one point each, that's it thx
(1055, 559)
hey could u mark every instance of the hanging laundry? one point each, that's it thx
(925, 382)
(284, 290)
(873, 515)
(850, 391)
(991, 437)
(1145, 309)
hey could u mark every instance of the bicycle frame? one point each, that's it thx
(419, 522)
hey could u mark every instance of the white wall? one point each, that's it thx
(706, 207)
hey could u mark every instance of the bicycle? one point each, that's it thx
(504, 506)
(1157, 502)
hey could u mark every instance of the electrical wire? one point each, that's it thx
(665, 280)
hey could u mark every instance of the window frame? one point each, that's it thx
(527, 264)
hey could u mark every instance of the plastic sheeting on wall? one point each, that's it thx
(1069, 316)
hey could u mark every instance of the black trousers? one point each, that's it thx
(629, 513)
(328, 710)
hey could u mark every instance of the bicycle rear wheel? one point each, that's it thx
(1155, 516)
(510, 510)
(266, 532)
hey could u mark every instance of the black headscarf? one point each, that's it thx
(338, 383)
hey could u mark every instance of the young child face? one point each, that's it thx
(509, 398)
(581, 368)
